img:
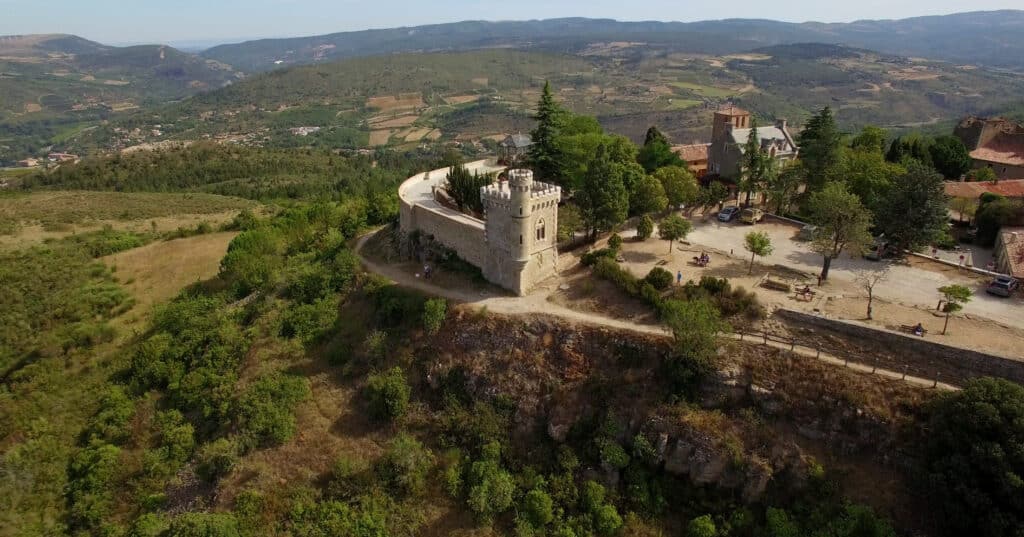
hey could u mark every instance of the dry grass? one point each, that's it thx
(380, 137)
(73, 207)
(391, 102)
(393, 123)
(416, 135)
(461, 99)
(157, 272)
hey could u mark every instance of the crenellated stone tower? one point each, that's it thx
(521, 231)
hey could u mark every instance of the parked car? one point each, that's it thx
(728, 214)
(879, 250)
(1003, 286)
(751, 216)
(807, 233)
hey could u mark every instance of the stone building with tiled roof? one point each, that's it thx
(1009, 252)
(729, 136)
(995, 143)
(695, 156)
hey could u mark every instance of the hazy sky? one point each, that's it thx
(151, 21)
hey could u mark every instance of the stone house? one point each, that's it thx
(695, 156)
(729, 135)
(995, 143)
(1009, 252)
(515, 149)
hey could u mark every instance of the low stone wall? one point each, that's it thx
(919, 356)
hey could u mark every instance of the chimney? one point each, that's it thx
(781, 123)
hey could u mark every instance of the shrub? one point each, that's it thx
(608, 269)
(90, 476)
(216, 459)
(350, 477)
(434, 312)
(660, 278)
(265, 411)
(149, 525)
(592, 496)
(388, 394)
(645, 228)
(490, 487)
(612, 453)
(204, 525)
(110, 423)
(591, 258)
(309, 322)
(395, 305)
(607, 520)
(538, 509)
(615, 243)
(405, 465)
(701, 526)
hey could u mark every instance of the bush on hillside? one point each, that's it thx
(388, 394)
(660, 278)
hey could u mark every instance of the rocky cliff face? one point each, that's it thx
(747, 429)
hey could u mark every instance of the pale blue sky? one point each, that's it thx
(150, 21)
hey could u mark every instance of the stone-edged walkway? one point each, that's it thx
(536, 303)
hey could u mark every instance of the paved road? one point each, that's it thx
(537, 303)
(906, 284)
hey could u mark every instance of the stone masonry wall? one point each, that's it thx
(920, 356)
(462, 235)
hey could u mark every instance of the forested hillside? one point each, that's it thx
(989, 38)
(406, 100)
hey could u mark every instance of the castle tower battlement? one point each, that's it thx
(515, 246)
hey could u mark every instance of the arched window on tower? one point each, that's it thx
(541, 230)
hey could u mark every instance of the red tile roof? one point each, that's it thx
(1013, 240)
(692, 153)
(1010, 188)
(1001, 153)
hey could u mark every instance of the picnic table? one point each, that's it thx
(806, 294)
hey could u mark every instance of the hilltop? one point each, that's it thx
(402, 100)
(54, 86)
(988, 38)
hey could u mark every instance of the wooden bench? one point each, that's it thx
(777, 286)
(910, 329)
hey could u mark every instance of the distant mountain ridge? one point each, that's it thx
(988, 38)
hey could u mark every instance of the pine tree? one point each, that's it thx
(820, 149)
(545, 153)
(753, 163)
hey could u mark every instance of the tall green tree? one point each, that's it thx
(950, 156)
(657, 152)
(545, 154)
(912, 146)
(782, 187)
(871, 139)
(820, 149)
(464, 187)
(602, 198)
(674, 228)
(679, 184)
(647, 196)
(869, 176)
(953, 299)
(914, 212)
(842, 222)
(973, 458)
(715, 194)
(755, 164)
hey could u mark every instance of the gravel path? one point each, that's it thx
(537, 303)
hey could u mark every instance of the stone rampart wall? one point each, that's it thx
(920, 356)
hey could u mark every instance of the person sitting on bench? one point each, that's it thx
(919, 330)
